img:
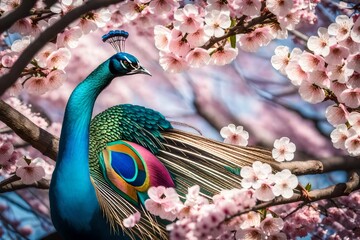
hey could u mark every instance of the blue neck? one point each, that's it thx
(72, 196)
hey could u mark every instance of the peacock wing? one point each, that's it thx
(123, 141)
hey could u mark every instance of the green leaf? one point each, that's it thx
(232, 38)
(308, 187)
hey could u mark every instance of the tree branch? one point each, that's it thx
(22, 11)
(40, 139)
(337, 190)
(17, 185)
(50, 33)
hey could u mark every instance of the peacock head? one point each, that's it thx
(122, 63)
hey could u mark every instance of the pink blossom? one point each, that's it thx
(22, 26)
(285, 182)
(130, 10)
(36, 85)
(259, 37)
(283, 149)
(281, 58)
(235, 135)
(223, 55)
(101, 17)
(340, 72)
(216, 22)
(188, 19)
(251, 219)
(55, 79)
(252, 175)
(350, 44)
(290, 20)
(7, 61)
(45, 52)
(48, 167)
(336, 114)
(6, 150)
(162, 202)
(341, 28)
(59, 59)
(179, 46)
(263, 190)
(321, 45)
(29, 173)
(354, 120)
(340, 134)
(250, 7)
(197, 38)
(279, 7)
(354, 80)
(354, 62)
(351, 97)
(310, 62)
(132, 220)
(337, 54)
(162, 36)
(311, 92)
(86, 25)
(337, 87)
(271, 226)
(218, 5)
(295, 73)
(355, 31)
(320, 78)
(69, 38)
(352, 144)
(163, 6)
(172, 63)
(198, 57)
(249, 234)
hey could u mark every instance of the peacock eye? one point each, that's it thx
(126, 64)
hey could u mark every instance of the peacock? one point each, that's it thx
(106, 164)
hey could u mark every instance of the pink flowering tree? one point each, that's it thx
(291, 67)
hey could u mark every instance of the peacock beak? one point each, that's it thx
(144, 71)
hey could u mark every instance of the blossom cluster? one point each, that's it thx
(207, 33)
(216, 218)
(46, 71)
(13, 161)
(330, 70)
(267, 185)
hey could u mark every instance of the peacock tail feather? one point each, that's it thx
(133, 148)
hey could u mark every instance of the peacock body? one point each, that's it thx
(106, 165)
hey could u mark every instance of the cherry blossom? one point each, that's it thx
(6, 150)
(197, 57)
(162, 37)
(354, 120)
(321, 45)
(69, 38)
(132, 220)
(250, 7)
(223, 55)
(197, 38)
(58, 59)
(259, 37)
(20, 44)
(285, 182)
(172, 63)
(235, 135)
(336, 114)
(271, 226)
(163, 6)
(216, 22)
(281, 58)
(29, 173)
(36, 85)
(352, 143)
(188, 19)
(283, 149)
(355, 31)
(340, 134)
(310, 92)
(341, 28)
(252, 175)
(279, 8)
